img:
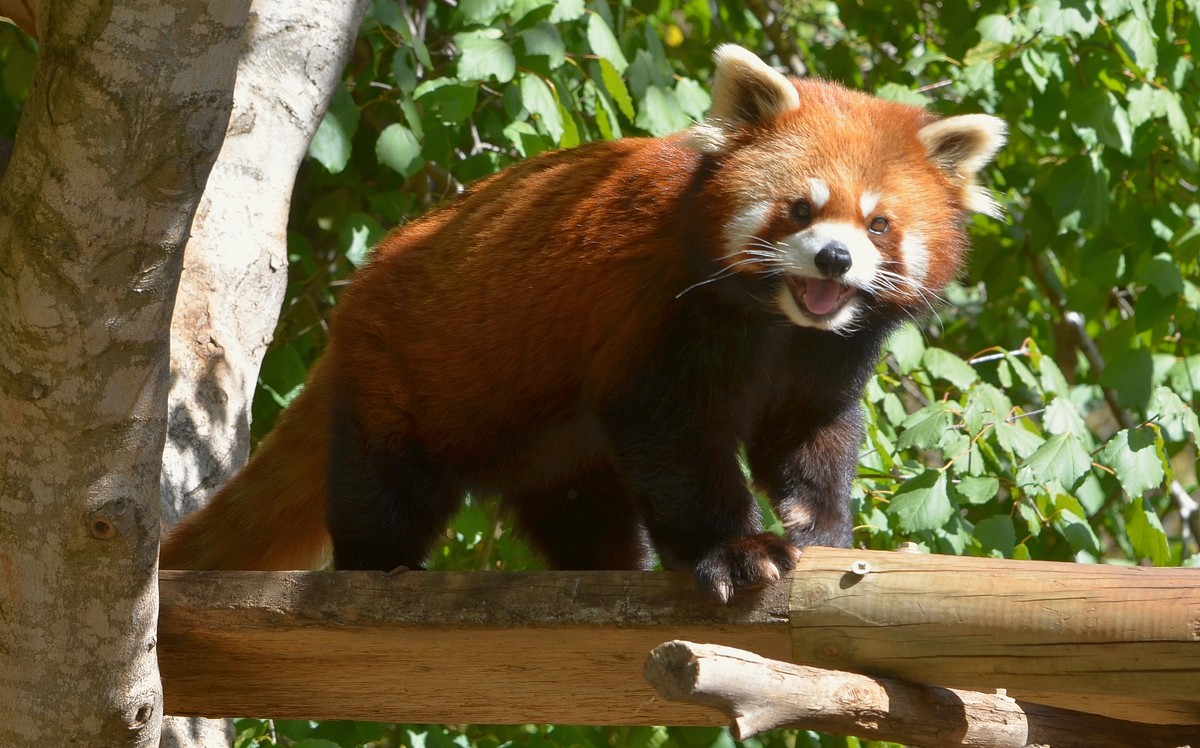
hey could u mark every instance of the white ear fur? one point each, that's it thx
(746, 91)
(961, 146)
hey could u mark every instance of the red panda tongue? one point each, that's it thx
(821, 296)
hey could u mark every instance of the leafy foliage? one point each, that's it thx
(1045, 411)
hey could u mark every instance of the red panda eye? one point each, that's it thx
(879, 225)
(801, 211)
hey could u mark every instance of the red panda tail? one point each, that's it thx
(271, 515)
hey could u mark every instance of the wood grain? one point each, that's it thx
(568, 647)
(500, 648)
(760, 694)
(1120, 641)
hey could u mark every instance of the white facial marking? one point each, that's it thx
(818, 192)
(916, 257)
(867, 203)
(745, 225)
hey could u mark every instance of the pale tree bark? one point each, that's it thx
(235, 265)
(128, 108)
(235, 272)
(759, 694)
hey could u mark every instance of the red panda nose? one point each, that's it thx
(833, 260)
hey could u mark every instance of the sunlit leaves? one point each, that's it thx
(331, 145)
(485, 55)
(922, 502)
(604, 43)
(1060, 458)
(398, 149)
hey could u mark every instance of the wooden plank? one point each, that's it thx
(1118, 641)
(442, 647)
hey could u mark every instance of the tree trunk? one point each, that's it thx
(235, 265)
(235, 271)
(129, 105)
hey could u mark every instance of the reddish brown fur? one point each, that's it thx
(552, 330)
(507, 242)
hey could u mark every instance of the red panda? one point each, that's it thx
(595, 334)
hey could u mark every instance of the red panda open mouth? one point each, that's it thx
(819, 297)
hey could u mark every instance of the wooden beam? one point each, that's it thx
(1118, 641)
(567, 647)
(442, 647)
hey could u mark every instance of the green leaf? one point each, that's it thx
(902, 94)
(985, 405)
(659, 113)
(1078, 194)
(398, 149)
(1016, 439)
(331, 144)
(388, 14)
(606, 116)
(358, 236)
(1145, 532)
(570, 136)
(1099, 117)
(544, 39)
(1131, 374)
(1063, 417)
(921, 503)
(1133, 456)
(997, 534)
(1042, 66)
(1061, 458)
(526, 139)
(604, 44)
(979, 490)
(1062, 19)
(1169, 411)
(1145, 103)
(567, 10)
(484, 54)
(615, 85)
(995, 27)
(484, 11)
(925, 428)
(907, 346)
(453, 101)
(1136, 34)
(1078, 532)
(943, 364)
(692, 98)
(539, 99)
(1162, 273)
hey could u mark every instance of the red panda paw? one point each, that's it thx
(744, 563)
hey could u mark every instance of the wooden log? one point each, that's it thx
(567, 647)
(761, 694)
(442, 647)
(1119, 641)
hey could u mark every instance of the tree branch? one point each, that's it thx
(760, 694)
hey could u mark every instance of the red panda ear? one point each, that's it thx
(746, 91)
(961, 146)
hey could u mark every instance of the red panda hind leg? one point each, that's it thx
(387, 501)
(586, 521)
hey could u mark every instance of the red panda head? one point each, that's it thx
(846, 200)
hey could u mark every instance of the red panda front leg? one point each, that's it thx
(696, 504)
(804, 458)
